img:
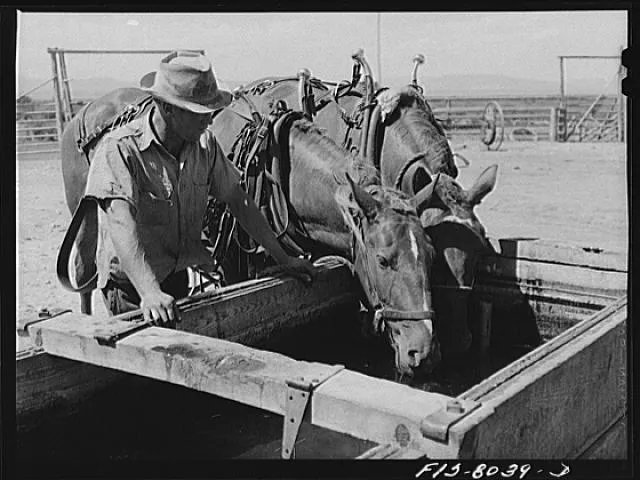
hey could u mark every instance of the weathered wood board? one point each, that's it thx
(341, 400)
(46, 383)
(573, 387)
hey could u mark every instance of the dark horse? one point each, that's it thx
(376, 227)
(408, 146)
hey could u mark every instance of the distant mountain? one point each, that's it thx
(487, 85)
(448, 85)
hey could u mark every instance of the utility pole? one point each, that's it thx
(378, 49)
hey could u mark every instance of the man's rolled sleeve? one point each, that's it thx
(109, 175)
(225, 176)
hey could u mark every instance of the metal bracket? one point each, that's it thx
(299, 392)
(43, 315)
(436, 425)
(110, 340)
(298, 395)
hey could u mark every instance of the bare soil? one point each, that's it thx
(574, 193)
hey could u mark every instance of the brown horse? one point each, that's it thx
(409, 147)
(375, 227)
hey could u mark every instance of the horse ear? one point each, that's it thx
(423, 197)
(484, 184)
(365, 201)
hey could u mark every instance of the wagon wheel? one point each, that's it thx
(493, 128)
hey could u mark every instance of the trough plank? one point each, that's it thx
(347, 402)
(610, 445)
(583, 279)
(378, 410)
(230, 370)
(570, 392)
(561, 253)
(261, 309)
(44, 381)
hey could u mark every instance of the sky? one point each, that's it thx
(245, 47)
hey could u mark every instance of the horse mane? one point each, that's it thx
(340, 160)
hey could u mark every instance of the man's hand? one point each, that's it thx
(160, 308)
(299, 268)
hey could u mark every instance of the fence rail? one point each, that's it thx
(36, 121)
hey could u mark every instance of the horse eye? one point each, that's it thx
(383, 262)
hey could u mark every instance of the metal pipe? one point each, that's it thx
(379, 48)
(590, 56)
(66, 90)
(56, 90)
(621, 136)
(35, 88)
(562, 88)
(50, 50)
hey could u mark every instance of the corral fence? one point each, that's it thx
(561, 118)
(536, 117)
(40, 123)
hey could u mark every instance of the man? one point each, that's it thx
(152, 178)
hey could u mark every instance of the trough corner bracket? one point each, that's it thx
(298, 395)
(436, 425)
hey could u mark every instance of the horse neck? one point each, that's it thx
(410, 135)
(315, 163)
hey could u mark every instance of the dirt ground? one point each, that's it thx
(574, 193)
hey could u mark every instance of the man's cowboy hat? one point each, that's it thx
(186, 80)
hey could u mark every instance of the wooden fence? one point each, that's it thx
(37, 125)
(531, 118)
(588, 117)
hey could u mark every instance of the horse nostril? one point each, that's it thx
(414, 356)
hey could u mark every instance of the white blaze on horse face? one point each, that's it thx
(429, 325)
(414, 245)
(416, 253)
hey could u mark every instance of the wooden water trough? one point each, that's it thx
(565, 398)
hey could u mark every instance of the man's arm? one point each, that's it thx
(251, 219)
(155, 304)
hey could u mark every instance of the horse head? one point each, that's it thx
(448, 217)
(411, 137)
(392, 258)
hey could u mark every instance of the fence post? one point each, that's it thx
(66, 89)
(552, 125)
(56, 90)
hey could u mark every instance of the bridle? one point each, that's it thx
(381, 311)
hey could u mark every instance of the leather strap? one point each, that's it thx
(64, 254)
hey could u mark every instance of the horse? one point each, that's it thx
(408, 146)
(376, 227)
